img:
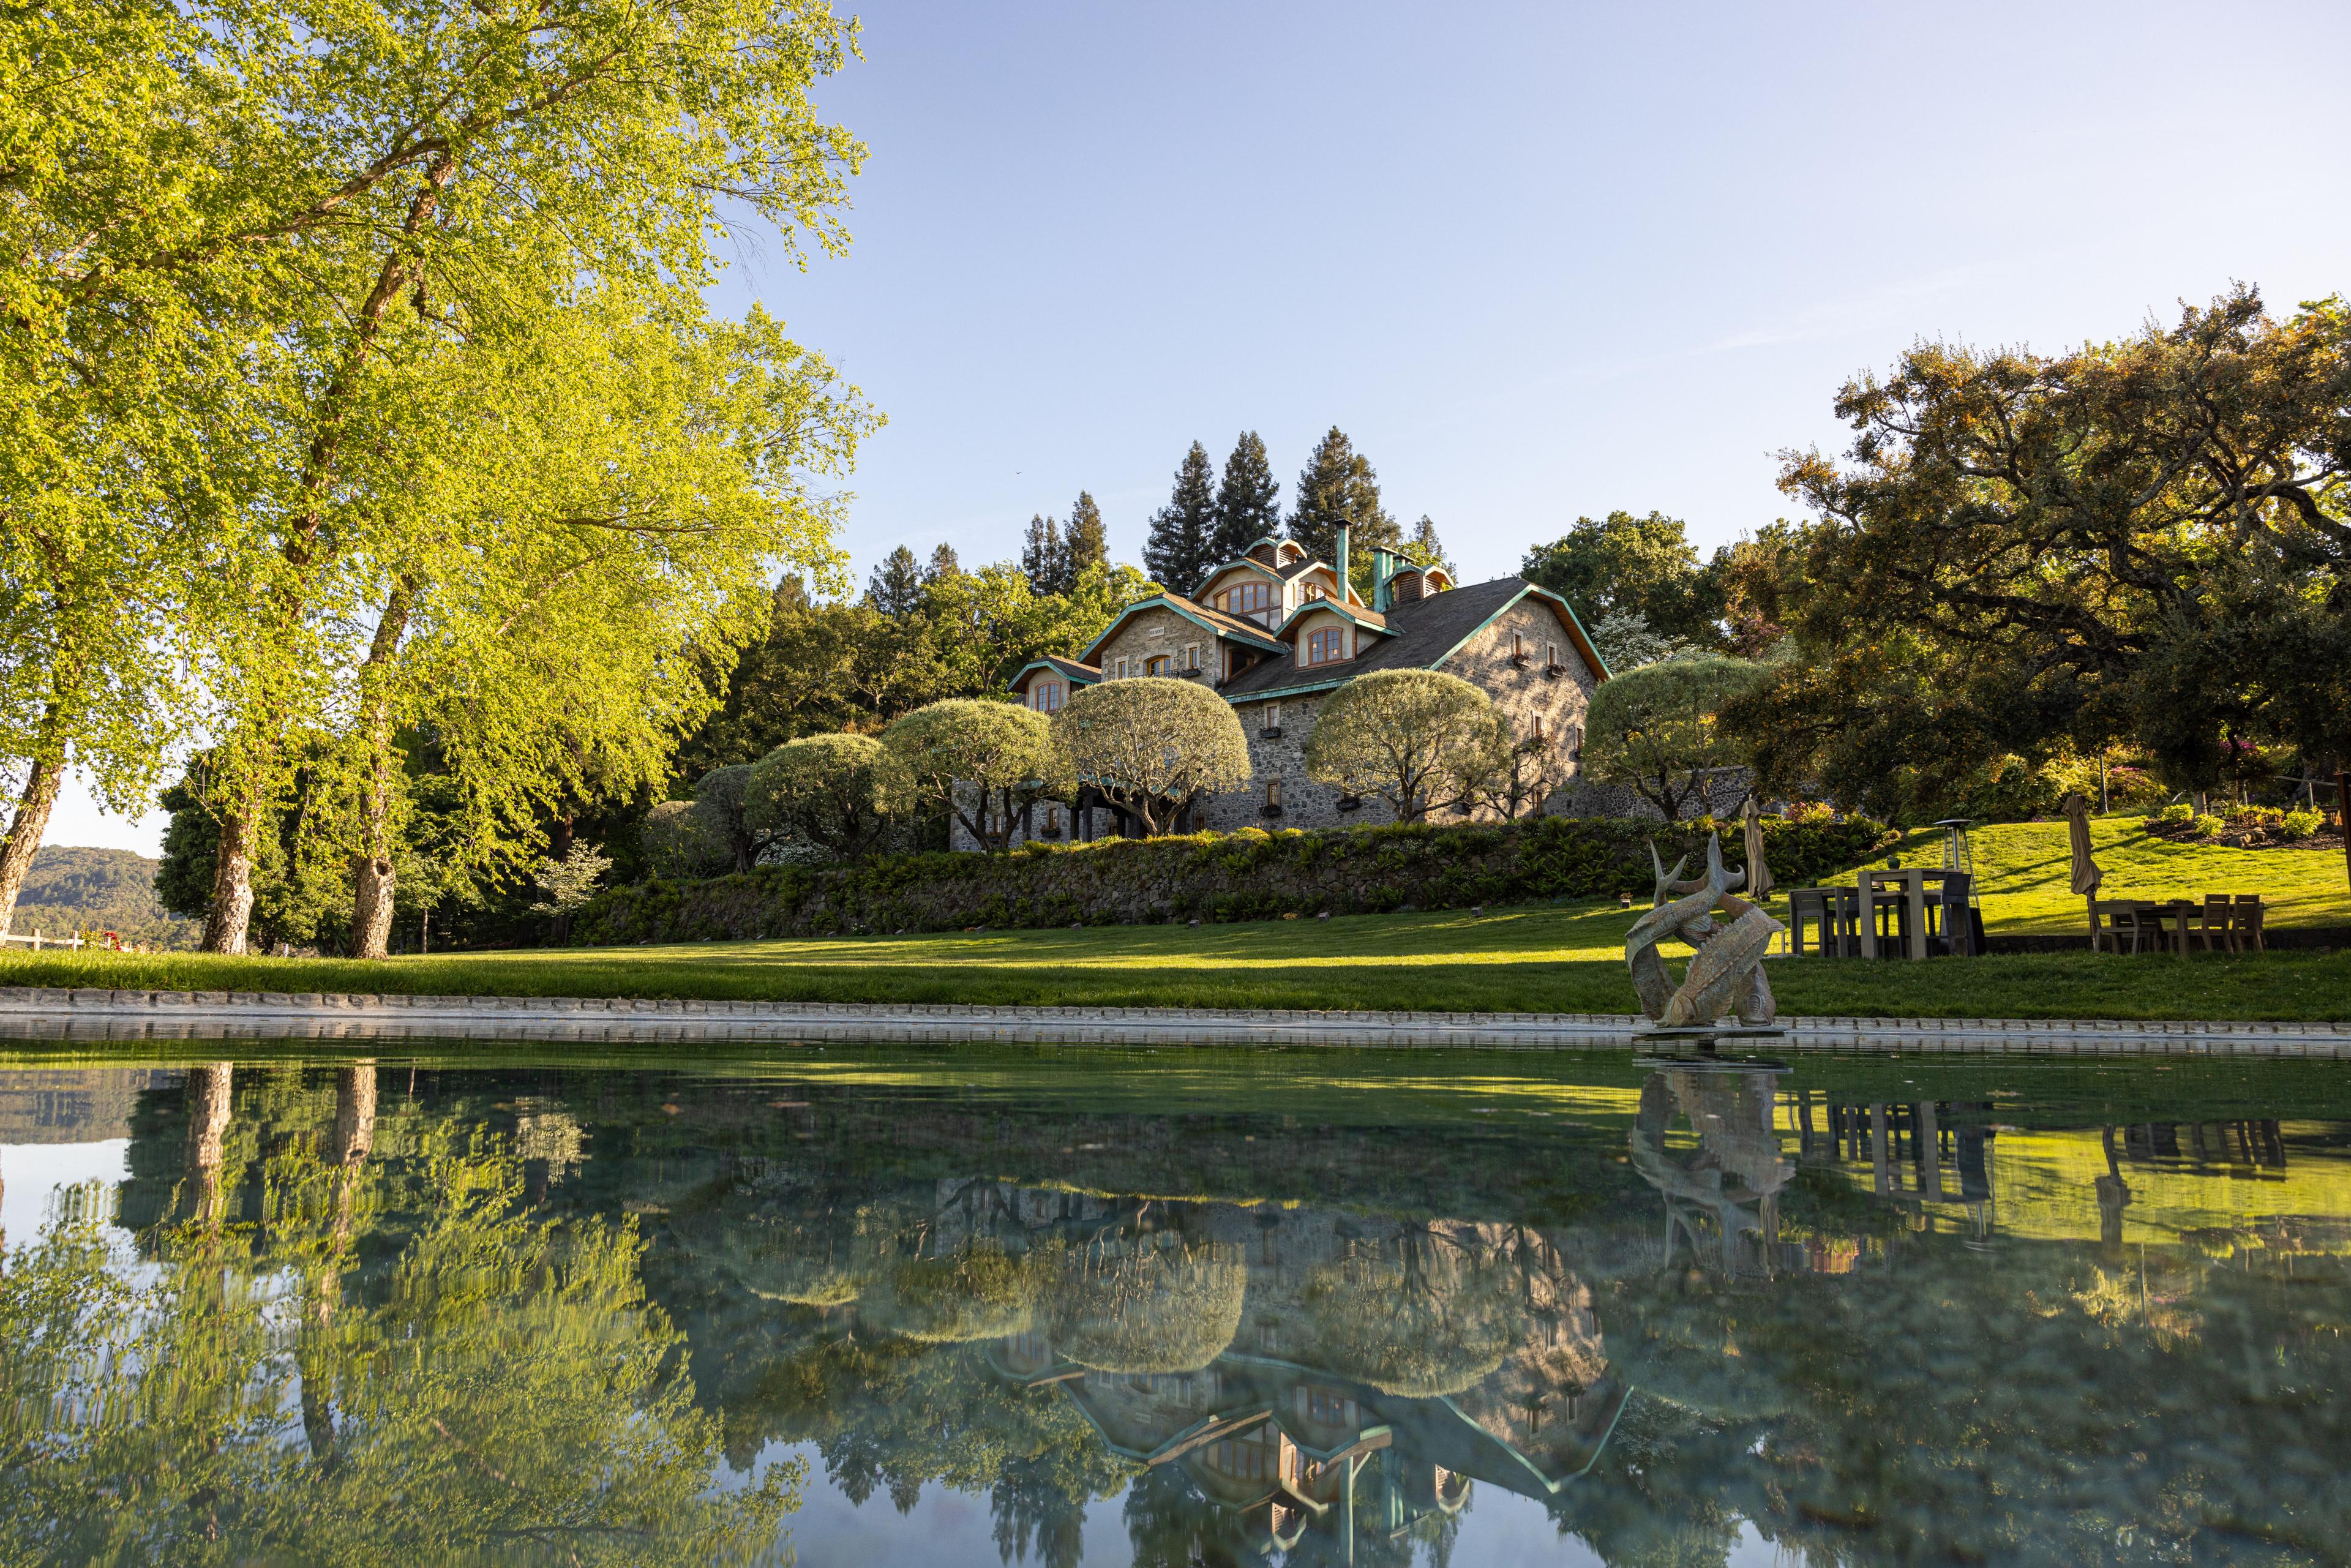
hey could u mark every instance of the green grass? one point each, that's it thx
(1539, 959)
(2026, 873)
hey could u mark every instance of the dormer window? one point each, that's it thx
(1326, 647)
(1046, 697)
(1246, 598)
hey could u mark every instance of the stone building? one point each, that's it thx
(1276, 632)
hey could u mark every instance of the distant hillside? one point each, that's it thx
(98, 890)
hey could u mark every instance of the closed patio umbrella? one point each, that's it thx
(2086, 874)
(1759, 875)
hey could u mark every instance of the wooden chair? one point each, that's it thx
(2121, 917)
(2246, 920)
(2218, 921)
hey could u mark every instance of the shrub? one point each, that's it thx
(2179, 814)
(2206, 826)
(2299, 825)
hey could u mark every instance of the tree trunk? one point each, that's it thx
(232, 906)
(207, 1100)
(373, 878)
(25, 828)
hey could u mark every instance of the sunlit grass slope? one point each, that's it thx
(2025, 871)
(1539, 959)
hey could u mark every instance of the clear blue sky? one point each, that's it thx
(1537, 260)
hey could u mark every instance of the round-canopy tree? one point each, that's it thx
(1152, 746)
(830, 790)
(977, 758)
(1654, 729)
(685, 839)
(1403, 735)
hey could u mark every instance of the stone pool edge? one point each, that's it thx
(27, 1011)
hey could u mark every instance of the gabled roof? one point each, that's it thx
(1088, 674)
(1214, 620)
(1426, 633)
(1368, 618)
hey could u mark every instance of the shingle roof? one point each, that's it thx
(1071, 668)
(1423, 632)
(1216, 621)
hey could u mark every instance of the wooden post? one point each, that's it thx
(2092, 901)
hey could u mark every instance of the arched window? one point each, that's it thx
(1328, 645)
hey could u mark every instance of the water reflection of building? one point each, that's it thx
(1308, 1373)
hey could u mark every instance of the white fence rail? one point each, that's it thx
(36, 941)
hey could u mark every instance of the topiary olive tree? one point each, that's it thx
(685, 839)
(1152, 745)
(1404, 736)
(979, 760)
(829, 791)
(1654, 729)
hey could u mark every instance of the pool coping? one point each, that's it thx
(83, 1014)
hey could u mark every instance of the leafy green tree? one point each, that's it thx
(1183, 532)
(1626, 641)
(943, 563)
(1640, 566)
(829, 791)
(1248, 500)
(1152, 745)
(1085, 543)
(1338, 486)
(2140, 541)
(1655, 729)
(1424, 548)
(979, 761)
(897, 586)
(1403, 735)
(685, 838)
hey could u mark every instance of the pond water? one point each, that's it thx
(873, 1306)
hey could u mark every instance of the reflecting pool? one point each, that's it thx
(870, 1306)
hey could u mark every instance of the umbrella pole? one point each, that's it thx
(2092, 901)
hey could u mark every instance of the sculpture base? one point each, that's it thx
(1694, 1046)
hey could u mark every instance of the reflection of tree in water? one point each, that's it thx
(488, 1388)
(1425, 1311)
(1148, 1300)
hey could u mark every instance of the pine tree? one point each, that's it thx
(943, 564)
(1423, 548)
(1083, 541)
(1183, 530)
(897, 586)
(1046, 557)
(1249, 501)
(1336, 487)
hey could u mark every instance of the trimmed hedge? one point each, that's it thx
(1247, 875)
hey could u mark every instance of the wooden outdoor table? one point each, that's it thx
(1911, 886)
(2178, 911)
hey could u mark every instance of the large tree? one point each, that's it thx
(1407, 736)
(1085, 542)
(320, 230)
(2146, 540)
(1248, 500)
(1656, 729)
(978, 760)
(897, 586)
(1624, 565)
(1154, 746)
(1182, 533)
(1338, 486)
(827, 790)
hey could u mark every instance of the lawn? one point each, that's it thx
(1535, 959)
(2025, 873)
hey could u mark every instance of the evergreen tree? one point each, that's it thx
(1337, 486)
(1424, 549)
(943, 564)
(1045, 559)
(1249, 501)
(897, 586)
(1183, 532)
(1085, 541)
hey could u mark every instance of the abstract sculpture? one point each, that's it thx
(1727, 975)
